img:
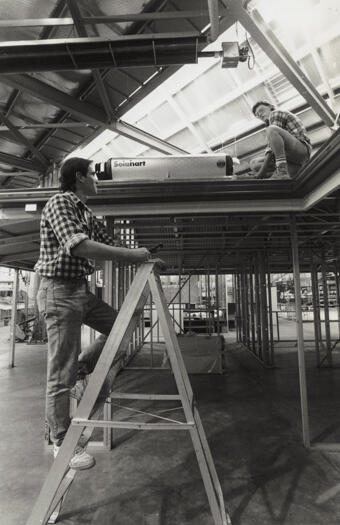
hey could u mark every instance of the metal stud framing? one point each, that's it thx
(253, 306)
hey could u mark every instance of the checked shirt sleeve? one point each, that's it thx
(100, 233)
(65, 223)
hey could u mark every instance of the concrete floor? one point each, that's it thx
(252, 420)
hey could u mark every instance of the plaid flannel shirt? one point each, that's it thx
(290, 122)
(65, 222)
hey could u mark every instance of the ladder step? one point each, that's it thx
(129, 424)
(157, 397)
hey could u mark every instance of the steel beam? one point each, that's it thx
(252, 309)
(36, 22)
(50, 125)
(236, 287)
(94, 20)
(20, 256)
(316, 311)
(264, 308)
(299, 334)
(19, 239)
(30, 165)
(266, 39)
(214, 19)
(134, 209)
(146, 17)
(15, 289)
(257, 290)
(328, 341)
(56, 97)
(132, 132)
(327, 187)
(84, 110)
(82, 32)
(270, 313)
(23, 140)
(17, 173)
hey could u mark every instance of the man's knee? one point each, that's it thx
(273, 130)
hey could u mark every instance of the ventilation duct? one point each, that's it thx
(94, 53)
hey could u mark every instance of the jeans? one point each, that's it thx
(66, 305)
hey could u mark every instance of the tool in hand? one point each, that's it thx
(155, 248)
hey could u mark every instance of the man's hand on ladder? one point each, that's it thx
(159, 263)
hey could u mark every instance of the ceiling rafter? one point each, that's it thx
(30, 165)
(19, 239)
(31, 254)
(105, 19)
(13, 98)
(51, 125)
(83, 110)
(23, 140)
(82, 32)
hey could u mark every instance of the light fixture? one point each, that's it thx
(233, 53)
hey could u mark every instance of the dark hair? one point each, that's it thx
(68, 170)
(262, 103)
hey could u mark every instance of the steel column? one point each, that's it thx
(237, 306)
(337, 282)
(246, 306)
(258, 309)
(15, 289)
(299, 333)
(217, 303)
(326, 313)
(263, 308)
(270, 316)
(316, 312)
(252, 309)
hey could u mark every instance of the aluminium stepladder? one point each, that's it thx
(60, 476)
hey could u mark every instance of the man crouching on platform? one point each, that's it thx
(70, 238)
(288, 144)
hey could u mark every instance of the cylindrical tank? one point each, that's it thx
(184, 167)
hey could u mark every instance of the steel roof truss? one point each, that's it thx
(84, 110)
(94, 20)
(75, 12)
(23, 140)
(12, 160)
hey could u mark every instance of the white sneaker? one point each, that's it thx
(280, 176)
(281, 172)
(80, 460)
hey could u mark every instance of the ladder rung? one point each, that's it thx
(158, 397)
(130, 424)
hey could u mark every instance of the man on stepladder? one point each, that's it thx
(70, 238)
(288, 147)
